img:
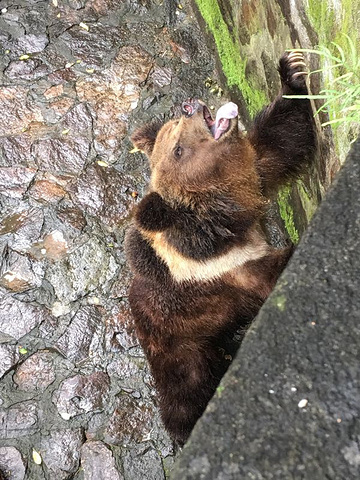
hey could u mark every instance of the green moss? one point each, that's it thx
(308, 202)
(322, 18)
(287, 214)
(219, 390)
(280, 302)
(228, 49)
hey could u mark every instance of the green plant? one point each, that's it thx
(341, 92)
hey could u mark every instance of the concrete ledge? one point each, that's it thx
(289, 407)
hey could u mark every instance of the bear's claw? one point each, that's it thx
(293, 71)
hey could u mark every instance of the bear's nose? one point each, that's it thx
(189, 107)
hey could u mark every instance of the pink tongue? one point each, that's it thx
(223, 116)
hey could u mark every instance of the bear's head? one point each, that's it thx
(195, 155)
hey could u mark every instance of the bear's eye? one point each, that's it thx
(178, 152)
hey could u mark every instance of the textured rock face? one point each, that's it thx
(61, 452)
(18, 318)
(17, 110)
(98, 462)
(11, 463)
(9, 357)
(82, 393)
(114, 93)
(251, 36)
(37, 372)
(77, 77)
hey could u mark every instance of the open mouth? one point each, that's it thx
(222, 122)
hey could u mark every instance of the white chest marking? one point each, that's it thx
(183, 268)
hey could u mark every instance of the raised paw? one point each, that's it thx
(293, 71)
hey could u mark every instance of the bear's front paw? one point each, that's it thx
(293, 71)
(154, 214)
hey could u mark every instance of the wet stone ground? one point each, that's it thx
(76, 78)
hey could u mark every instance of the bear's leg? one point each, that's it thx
(284, 132)
(186, 378)
(180, 414)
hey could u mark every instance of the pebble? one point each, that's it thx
(303, 403)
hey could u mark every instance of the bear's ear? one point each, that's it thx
(144, 137)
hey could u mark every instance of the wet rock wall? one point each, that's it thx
(76, 78)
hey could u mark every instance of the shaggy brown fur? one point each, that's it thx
(201, 265)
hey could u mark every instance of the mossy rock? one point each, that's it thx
(250, 36)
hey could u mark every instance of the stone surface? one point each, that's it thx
(47, 191)
(14, 181)
(9, 357)
(76, 342)
(31, 69)
(125, 368)
(19, 420)
(98, 463)
(54, 246)
(30, 43)
(72, 216)
(114, 93)
(24, 228)
(289, 405)
(17, 110)
(11, 463)
(15, 150)
(60, 452)
(63, 155)
(86, 268)
(135, 460)
(106, 193)
(36, 373)
(18, 318)
(82, 393)
(131, 420)
(17, 273)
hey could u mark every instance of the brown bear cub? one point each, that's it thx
(202, 267)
